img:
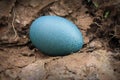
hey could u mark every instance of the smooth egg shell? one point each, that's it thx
(55, 36)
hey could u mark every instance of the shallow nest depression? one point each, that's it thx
(99, 22)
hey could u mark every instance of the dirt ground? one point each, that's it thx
(99, 22)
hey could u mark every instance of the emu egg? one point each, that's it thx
(55, 36)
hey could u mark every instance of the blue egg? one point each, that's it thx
(55, 36)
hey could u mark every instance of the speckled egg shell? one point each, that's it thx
(55, 36)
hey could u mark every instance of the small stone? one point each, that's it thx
(24, 36)
(27, 52)
(34, 3)
(60, 11)
(18, 21)
(96, 44)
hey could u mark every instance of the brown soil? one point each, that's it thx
(99, 22)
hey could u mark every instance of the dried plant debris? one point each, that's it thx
(18, 23)
(65, 7)
(106, 24)
(5, 14)
(30, 9)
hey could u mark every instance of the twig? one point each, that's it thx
(13, 25)
(6, 45)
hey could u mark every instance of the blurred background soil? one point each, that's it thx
(99, 22)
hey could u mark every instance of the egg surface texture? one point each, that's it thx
(55, 36)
